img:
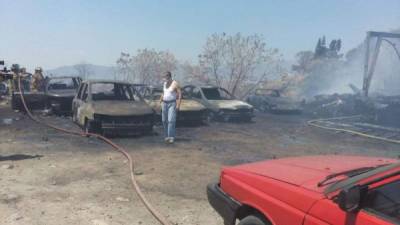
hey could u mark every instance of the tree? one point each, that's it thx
(235, 62)
(147, 66)
(83, 70)
(304, 61)
(124, 67)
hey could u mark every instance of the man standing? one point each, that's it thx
(170, 102)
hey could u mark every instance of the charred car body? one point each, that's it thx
(60, 91)
(221, 105)
(3, 89)
(271, 100)
(109, 107)
(190, 111)
(33, 99)
(56, 96)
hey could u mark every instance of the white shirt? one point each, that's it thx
(170, 92)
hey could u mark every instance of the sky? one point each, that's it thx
(53, 33)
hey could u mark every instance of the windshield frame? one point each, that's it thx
(135, 94)
(73, 79)
(219, 89)
(359, 178)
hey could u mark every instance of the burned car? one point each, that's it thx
(271, 100)
(60, 91)
(191, 111)
(110, 107)
(3, 89)
(221, 105)
(35, 100)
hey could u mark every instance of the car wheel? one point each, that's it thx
(74, 117)
(13, 103)
(265, 107)
(210, 117)
(253, 220)
(91, 127)
(247, 119)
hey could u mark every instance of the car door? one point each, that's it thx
(381, 207)
(76, 99)
(78, 103)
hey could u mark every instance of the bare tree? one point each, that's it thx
(304, 61)
(147, 66)
(238, 63)
(124, 67)
(194, 74)
(83, 70)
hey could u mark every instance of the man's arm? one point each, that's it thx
(161, 98)
(179, 92)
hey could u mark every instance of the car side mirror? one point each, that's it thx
(349, 199)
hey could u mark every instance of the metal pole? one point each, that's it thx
(366, 63)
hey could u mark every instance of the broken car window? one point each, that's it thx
(62, 84)
(85, 92)
(268, 92)
(112, 91)
(216, 94)
(157, 94)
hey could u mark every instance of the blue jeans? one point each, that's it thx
(168, 115)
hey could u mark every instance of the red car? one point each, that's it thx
(315, 190)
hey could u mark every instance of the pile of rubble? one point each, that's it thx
(379, 109)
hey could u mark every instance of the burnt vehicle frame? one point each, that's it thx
(117, 109)
(271, 100)
(221, 105)
(35, 100)
(59, 93)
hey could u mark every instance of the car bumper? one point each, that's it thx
(63, 106)
(222, 203)
(288, 109)
(191, 116)
(236, 115)
(125, 124)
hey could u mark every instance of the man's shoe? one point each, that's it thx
(171, 140)
(166, 140)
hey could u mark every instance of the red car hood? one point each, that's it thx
(308, 171)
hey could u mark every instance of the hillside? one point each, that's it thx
(95, 71)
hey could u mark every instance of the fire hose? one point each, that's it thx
(314, 124)
(157, 215)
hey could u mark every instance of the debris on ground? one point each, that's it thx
(7, 166)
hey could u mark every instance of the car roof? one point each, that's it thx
(268, 89)
(201, 86)
(63, 77)
(106, 81)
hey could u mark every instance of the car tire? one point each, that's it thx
(74, 116)
(247, 119)
(13, 103)
(91, 127)
(210, 117)
(253, 220)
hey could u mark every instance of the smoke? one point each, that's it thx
(333, 75)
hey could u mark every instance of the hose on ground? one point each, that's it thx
(314, 124)
(157, 215)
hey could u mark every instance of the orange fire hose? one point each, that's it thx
(116, 147)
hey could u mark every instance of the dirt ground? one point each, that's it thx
(47, 177)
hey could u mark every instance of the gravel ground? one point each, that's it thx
(47, 177)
